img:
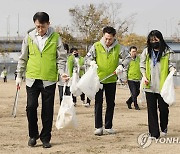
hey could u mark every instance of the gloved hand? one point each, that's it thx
(172, 69)
(92, 62)
(18, 81)
(119, 69)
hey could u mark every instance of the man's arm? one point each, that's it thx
(126, 58)
(61, 58)
(91, 56)
(22, 62)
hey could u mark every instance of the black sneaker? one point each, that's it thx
(129, 105)
(32, 141)
(137, 107)
(46, 145)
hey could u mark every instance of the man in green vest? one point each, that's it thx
(134, 77)
(42, 58)
(106, 53)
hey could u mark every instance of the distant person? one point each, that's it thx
(42, 57)
(15, 75)
(155, 63)
(76, 64)
(133, 78)
(4, 74)
(107, 53)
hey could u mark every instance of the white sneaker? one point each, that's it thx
(98, 131)
(87, 105)
(110, 131)
(152, 138)
(163, 134)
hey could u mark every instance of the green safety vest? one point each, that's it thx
(70, 63)
(43, 65)
(134, 69)
(107, 62)
(164, 63)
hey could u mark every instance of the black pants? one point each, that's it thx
(152, 100)
(67, 92)
(47, 95)
(5, 79)
(134, 88)
(82, 98)
(110, 90)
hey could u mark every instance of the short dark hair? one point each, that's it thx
(133, 47)
(42, 17)
(73, 49)
(109, 30)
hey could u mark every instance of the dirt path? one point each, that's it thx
(129, 124)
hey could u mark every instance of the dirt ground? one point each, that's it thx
(129, 124)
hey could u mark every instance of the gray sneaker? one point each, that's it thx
(98, 131)
(110, 131)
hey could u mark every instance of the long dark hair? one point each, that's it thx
(162, 47)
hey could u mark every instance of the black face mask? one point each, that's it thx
(155, 45)
(76, 55)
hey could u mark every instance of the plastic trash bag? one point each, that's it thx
(142, 95)
(167, 91)
(66, 117)
(73, 87)
(2, 74)
(89, 83)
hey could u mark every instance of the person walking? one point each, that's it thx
(107, 53)
(133, 78)
(42, 57)
(4, 74)
(76, 64)
(155, 65)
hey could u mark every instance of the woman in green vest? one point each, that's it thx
(155, 65)
(134, 77)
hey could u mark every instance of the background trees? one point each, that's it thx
(89, 20)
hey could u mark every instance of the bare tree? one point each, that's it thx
(89, 20)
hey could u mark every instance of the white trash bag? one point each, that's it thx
(73, 87)
(66, 117)
(142, 95)
(167, 91)
(89, 83)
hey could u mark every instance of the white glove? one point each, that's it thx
(18, 81)
(172, 69)
(119, 69)
(92, 62)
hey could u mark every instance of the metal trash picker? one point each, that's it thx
(108, 76)
(16, 102)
